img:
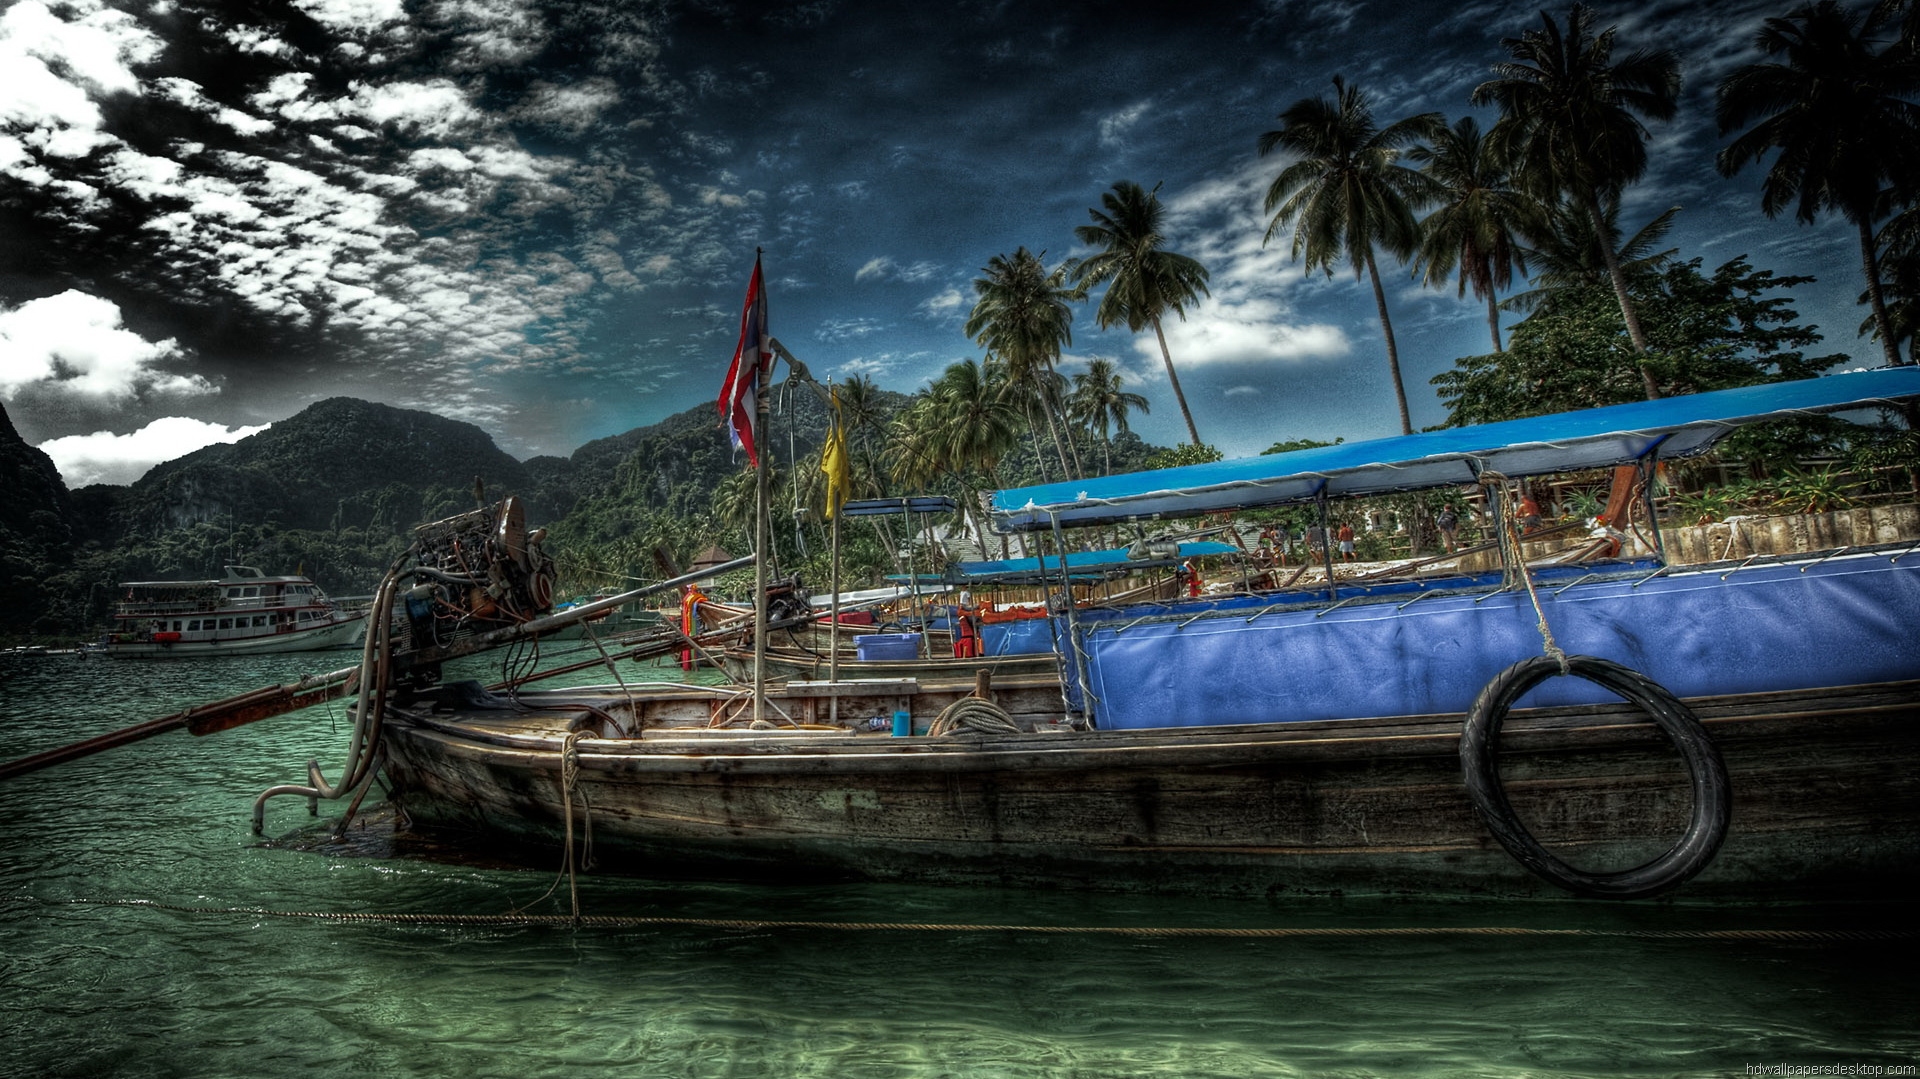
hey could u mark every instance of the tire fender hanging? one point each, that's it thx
(1712, 794)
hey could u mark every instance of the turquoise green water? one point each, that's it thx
(91, 989)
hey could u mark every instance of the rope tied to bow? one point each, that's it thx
(1497, 485)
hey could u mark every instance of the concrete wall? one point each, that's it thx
(1739, 537)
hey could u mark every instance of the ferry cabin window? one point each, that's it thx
(226, 623)
(259, 619)
(176, 625)
(194, 626)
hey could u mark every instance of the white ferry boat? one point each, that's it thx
(243, 613)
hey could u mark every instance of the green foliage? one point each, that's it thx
(1184, 454)
(1793, 490)
(1708, 332)
(1299, 444)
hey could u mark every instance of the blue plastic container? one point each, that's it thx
(887, 645)
(902, 724)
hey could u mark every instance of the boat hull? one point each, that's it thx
(341, 634)
(1825, 795)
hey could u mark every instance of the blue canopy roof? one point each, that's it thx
(1079, 563)
(1563, 442)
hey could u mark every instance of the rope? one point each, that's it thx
(602, 921)
(975, 715)
(1516, 555)
(569, 784)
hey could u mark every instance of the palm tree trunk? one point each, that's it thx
(1619, 279)
(1059, 447)
(1870, 261)
(1493, 319)
(1167, 358)
(1039, 459)
(1393, 351)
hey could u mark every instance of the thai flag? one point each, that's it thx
(740, 395)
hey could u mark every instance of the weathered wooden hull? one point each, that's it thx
(1826, 798)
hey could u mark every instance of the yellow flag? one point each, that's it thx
(833, 462)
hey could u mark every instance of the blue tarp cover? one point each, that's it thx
(870, 507)
(1078, 562)
(1843, 621)
(1593, 438)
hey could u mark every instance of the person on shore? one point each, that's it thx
(1345, 536)
(1449, 524)
(1529, 514)
(966, 628)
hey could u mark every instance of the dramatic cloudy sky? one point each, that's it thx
(540, 215)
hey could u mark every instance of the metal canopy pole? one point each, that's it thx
(1326, 539)
(1073, 629)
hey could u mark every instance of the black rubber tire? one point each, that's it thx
(1712, 794)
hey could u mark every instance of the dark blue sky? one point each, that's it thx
(541, 216)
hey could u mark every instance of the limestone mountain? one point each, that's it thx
(337, 463)
(36, 526)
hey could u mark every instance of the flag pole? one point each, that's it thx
(761, 412)
(833, 510)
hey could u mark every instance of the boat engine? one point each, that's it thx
(477, 571)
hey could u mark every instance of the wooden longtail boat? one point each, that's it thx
(1385, 737)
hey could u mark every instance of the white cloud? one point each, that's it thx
(846, 329)
(1249, 330)
(1115, 125)
(432, 106)
(104, 457)
(74, 342)
(56, 115)
(884, 268)
(353, 16)
(1242, 391)
(943, 304)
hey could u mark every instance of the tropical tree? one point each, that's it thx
(1899, 244)
(1837, 110)
(1570, 124)
(1144, 280)
(959, 431)
(1024, 318)
(1475, 229)
(1101, 401)
(1346, 193)
(1735, 326)
(1566, 254)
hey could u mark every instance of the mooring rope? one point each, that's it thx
(975, 715)
(1516, 553)
(605, 921)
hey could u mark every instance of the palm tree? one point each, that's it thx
(1023, 317)
(1101, 401)
(1346, 193)
(959, 431)
(1570, 123)
(1475, 227)
(1566, 253)
(1144, 280)
(1835, 108)
(1899, 245)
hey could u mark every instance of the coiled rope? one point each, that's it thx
(603, 921)
(974, 715)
